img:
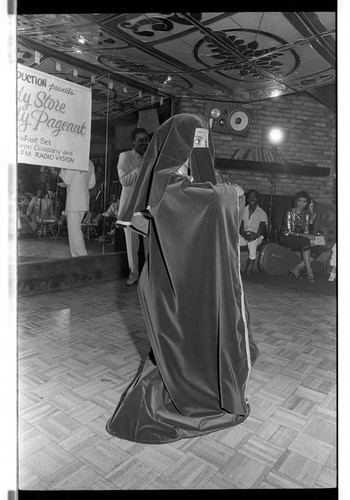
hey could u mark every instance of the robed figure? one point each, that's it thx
(190, 291)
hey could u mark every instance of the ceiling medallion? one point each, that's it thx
(246, 56)
(45, 20)
(148, 26)
(144, 73)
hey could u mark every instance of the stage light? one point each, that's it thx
(276, 136)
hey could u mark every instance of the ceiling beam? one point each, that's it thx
(306, 28)
(325, 95)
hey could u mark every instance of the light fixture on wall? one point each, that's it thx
(275, 136)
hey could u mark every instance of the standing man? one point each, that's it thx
(78, 183)
(128, 166)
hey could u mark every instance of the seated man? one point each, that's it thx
(40, 209)
(252, 227)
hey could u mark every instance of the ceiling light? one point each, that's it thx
(276, 93)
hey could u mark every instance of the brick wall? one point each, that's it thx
(311, 137)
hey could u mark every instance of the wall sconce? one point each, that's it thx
(275, 135)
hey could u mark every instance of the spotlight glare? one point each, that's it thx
(276, 93)
(276, 136)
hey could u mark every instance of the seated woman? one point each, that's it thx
(252, 227)
(296, 233)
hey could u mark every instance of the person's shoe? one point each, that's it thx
(311, 278)
(294, 274)
(131, 281)
(332, 277)
(250, 266)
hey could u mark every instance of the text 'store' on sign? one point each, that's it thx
(53, 120)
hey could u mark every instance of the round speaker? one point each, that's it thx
(239, 121)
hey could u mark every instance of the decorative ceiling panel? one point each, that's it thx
(326, 19)
(48, 22)
(137, 59)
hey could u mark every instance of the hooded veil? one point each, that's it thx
(191, 295)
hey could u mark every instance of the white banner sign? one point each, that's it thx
(53, 120)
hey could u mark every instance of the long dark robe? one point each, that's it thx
(191, 296)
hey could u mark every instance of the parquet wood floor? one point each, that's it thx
(79, 349)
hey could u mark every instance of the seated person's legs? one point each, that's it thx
(252, 251)
(301, 243)
(333, 263)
